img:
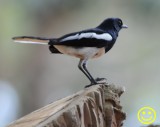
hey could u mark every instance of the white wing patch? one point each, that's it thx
(104, 36)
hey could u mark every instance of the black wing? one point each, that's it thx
(87, 38)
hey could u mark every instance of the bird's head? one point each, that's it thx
(112, 23)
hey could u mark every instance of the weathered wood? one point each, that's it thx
(96, 106)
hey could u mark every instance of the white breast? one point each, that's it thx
(82, 53)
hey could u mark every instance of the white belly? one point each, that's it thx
(82, 53)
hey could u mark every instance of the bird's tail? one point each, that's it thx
(32, 40)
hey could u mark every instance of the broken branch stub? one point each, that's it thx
(96, 106)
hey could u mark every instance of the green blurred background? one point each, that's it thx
(31, 77)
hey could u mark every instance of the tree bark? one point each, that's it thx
(96, 106)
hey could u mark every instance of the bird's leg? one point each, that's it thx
(82, 66)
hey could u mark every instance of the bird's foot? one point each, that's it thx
(97, 81)
(101, 80)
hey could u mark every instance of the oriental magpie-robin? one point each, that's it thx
(85, 45)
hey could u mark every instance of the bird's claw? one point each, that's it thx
(101, 80)
(97, 81)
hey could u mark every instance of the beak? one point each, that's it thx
(124, 26)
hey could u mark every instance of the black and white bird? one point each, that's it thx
(85, 45)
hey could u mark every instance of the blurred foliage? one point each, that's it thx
(40, 78)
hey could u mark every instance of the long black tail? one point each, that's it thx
(37, 40)
(34, 40)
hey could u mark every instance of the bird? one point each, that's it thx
(85, 45)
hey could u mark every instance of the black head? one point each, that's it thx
(112, 23)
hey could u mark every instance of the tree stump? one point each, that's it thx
(96, 106)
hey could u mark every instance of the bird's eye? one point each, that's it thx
(120, 23)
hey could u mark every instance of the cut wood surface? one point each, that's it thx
(96, 106)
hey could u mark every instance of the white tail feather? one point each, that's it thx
(30, 40)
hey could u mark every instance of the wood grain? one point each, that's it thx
(96, 106)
